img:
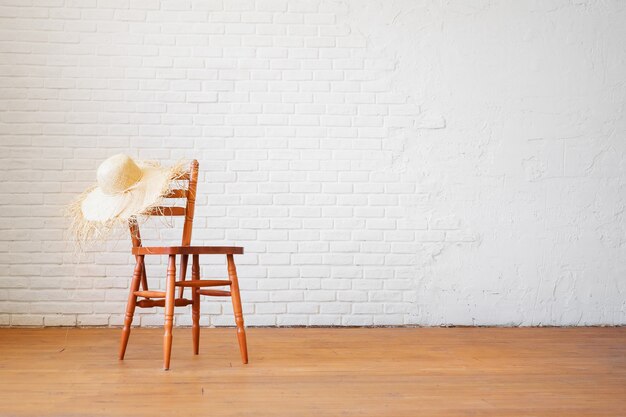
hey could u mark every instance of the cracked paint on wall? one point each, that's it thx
(518, 144)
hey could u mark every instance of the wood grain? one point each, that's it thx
(318, 372)
(204, 282)
(188, 250)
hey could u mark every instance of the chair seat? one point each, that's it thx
(187, 250)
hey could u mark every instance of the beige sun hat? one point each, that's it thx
(126, 188)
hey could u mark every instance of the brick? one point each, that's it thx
(26, 320)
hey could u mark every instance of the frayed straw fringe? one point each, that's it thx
(83, 232)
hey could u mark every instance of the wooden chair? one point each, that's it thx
(167, 298)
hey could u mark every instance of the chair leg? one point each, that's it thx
(183, 272)
(144, 279)
(195, 306)
(169, 311)
(130, 305)
(236, 299)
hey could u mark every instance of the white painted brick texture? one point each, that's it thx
(382, 162)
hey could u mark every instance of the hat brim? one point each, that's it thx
(145, 194)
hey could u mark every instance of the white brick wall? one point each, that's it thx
(383, 162)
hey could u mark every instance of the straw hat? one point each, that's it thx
(126, 188)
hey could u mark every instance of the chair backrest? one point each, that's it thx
(188, 193)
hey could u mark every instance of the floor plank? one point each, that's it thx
(317, 372)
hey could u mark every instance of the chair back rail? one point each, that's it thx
(188, 194)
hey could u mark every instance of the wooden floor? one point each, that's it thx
(317, 372)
